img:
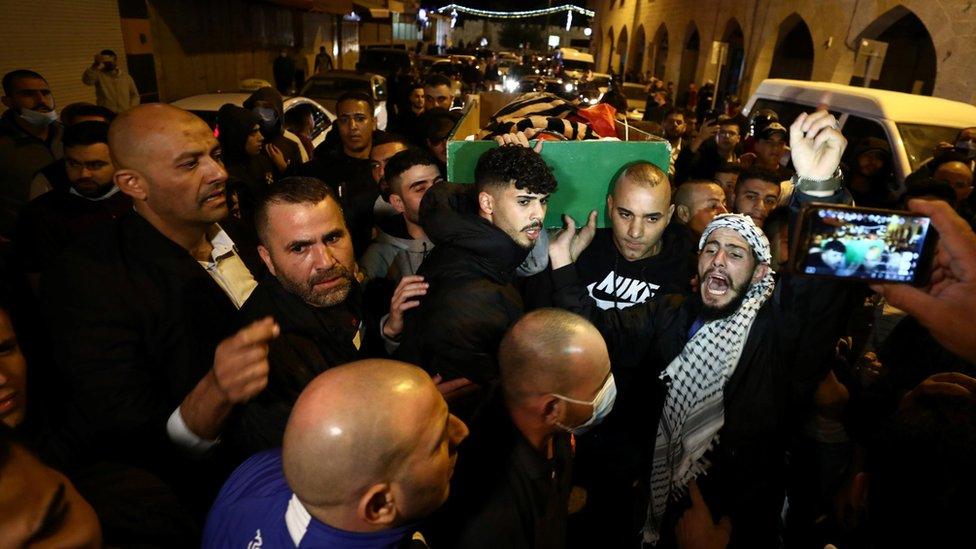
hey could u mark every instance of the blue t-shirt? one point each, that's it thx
(256, 509)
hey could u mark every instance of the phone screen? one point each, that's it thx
(865, 244)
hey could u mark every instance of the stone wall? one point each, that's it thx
(835, 27)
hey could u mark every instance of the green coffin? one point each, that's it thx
(582, 168)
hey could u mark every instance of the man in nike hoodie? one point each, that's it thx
(402, 244)
(639, 257)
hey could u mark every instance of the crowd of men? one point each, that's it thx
(249, 341)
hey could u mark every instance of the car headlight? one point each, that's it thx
(511, 85)
(568, 86)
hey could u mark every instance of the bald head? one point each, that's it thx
(550, 351)
(169, 162)
(148, 130)
(697, 202)
(353, 425)
(370, 446)
(959, 176)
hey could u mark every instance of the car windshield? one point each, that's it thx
(574, 65)
(920, 139)
(332, 88)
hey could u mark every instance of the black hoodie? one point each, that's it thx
(876, 191)
(248, 176)
(471, 301)
(275, 134)
(614, 282)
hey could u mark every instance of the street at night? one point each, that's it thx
(487, 274)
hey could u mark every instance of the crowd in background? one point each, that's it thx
(243, 339)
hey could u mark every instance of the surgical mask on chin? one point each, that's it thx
(268, 117)
(39, 119)
(602, 405)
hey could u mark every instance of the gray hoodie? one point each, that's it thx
(395, 253)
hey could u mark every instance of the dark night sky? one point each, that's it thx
(501, 5)
(507, 5)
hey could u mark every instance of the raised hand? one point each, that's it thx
(583, 237)
(405, 297)
(241, 361)
(816, 145)
(567, 245)
(277, 157)
(519, 139)
(709, 131)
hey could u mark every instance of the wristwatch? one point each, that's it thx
(832, 183)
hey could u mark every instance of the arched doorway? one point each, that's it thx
(689, 58)
(731, 73)
(910, 62)
(660, 51)
(636, 57)
(621, 66)
(611, 50)
(793, 57)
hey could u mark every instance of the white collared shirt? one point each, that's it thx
(237, 282)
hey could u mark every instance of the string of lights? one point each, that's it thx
(455, 8)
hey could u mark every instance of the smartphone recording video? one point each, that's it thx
(864, 244)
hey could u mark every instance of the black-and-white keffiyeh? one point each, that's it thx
(693, 409)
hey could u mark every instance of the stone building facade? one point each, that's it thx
(929, 42)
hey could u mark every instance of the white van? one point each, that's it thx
(911, 124)
(576, 62)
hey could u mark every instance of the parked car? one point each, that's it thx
(575, 63)
(384, 61)
(446, 67)
(911, 124)
(327, 87)
(206, 106)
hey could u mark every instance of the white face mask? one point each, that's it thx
(967, 147)
(39, 119)
(602, 405)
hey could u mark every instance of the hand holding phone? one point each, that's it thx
(864, 244)
(947, 307)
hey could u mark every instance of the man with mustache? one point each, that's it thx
(30, 139)
(59, 217)
(732, 362)
(482, 234)
(143, 316)
(314, 293)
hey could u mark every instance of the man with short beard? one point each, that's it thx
(30, 139)
(142, 317)
(733, 363)
(52, 221)
(482, 234)
(315, 296)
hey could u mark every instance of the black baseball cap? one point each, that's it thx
(772, 129)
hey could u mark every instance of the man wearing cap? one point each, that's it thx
(735, 362)
(772, 144)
